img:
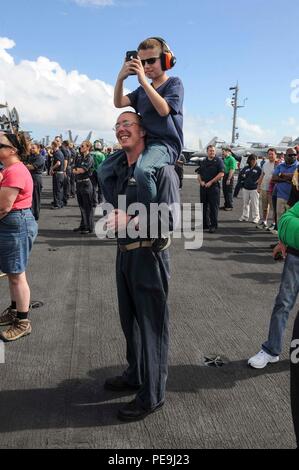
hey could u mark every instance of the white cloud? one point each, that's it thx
(204, 129)
(228, 102)
(6, 43)
(49, 97)
(292, 124)
(98, 3)
(254, 130)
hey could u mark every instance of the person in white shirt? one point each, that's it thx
(264, 183)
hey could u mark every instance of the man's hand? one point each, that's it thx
(209, 184)
(280, 248)
(228, 182)
(202, 183)
(117, 220)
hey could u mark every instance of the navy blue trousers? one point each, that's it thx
(58, 179)
(210, 198)
(142, 285)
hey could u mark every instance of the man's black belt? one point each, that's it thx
(81, 181)
(135, 245)
(292, 251)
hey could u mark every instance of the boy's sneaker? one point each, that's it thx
(8, 316)
(18, 329)
(261, 359)
(243, 219)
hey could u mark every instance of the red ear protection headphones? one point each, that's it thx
(168, 60)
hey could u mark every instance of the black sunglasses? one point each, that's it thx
(149, 61)
(3, 146)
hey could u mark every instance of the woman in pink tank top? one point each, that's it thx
(18, 230)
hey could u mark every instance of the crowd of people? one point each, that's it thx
(143, 169)
(268, 182)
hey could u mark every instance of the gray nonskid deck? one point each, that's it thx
(220, 301)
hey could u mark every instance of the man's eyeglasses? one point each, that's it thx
(4, 146)
(124, 124)
(150, 61)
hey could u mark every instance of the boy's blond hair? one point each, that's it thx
(150, 43)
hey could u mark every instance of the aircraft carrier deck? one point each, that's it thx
(221, 297)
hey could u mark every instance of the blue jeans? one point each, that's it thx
(154, 157)
(285, 301)
(18, 230)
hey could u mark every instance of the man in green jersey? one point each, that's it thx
(230, 165)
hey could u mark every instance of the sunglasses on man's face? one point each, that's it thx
(150, 61)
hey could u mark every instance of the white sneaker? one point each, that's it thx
(262, 225)
(243, 219)
(256, 221)
(261, 359)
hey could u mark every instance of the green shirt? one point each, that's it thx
(98, 158)
(230, 163)
(288, 227)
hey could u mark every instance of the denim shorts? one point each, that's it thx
(18, 231)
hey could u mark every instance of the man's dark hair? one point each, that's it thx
(135, 114)
(252, 157)
(210, 147)
(272, 150)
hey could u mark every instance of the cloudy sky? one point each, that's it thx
(58, 63)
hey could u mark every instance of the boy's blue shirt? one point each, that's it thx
(167, 130)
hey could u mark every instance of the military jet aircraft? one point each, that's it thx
(242, 150)
(261, 150)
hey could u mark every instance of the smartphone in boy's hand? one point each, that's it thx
(131, 55)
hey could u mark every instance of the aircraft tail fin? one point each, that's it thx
(213, 141)
(89, 136)
(285, 141)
